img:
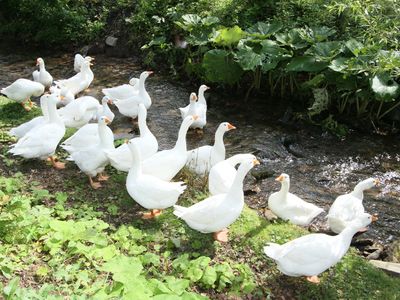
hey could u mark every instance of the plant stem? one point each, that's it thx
(388, 111)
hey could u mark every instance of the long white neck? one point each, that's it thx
(285, 185)
(142, 88)
(345, 238)
(181, 141)
(53, 115)
(105, 143)
(237, 185)
(143, 125)
(219, 142)
(42, 66)
(136, 170)
(44, 108)
(202, 99)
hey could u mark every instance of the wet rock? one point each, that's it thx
(252, 190)
(269, 215)
(393, 252)
(374, 255)
(295, 150)
(362, 243)
(111, 41)
(262, 172)
(388, 267)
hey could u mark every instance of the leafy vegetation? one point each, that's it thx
(60, 239)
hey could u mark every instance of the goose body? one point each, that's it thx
(80, 111)
(314, 253)
(42, 75)
(66, 97)
(121, 157)
(223, 173)
(147, 190)
(167, 163)
(129, 106)
(123, 91)
(200, 160)
(217, 212)
(41, 142)
(198, 108)
(290, 207)
(22, 89)
(347, 207)
(104, 109)
(80, 81)
(79, 60)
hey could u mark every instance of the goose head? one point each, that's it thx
(39, 61)
(283, 178)
(247, 164)
(225, 126)
(363, 220)
(106, 100)
(145, 74)
(367, 184)
(203, 88)
(103, 120)
(193, 98)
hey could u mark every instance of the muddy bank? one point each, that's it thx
(320, 165)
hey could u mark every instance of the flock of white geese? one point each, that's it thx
(150, 171)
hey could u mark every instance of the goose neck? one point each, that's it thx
(52, 111)
(284, 188)
(104, 141)
(181, 141)
(237, 185)
(136, 170)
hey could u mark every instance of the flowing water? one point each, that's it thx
(321, 166)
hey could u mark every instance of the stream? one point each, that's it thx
(321, 166)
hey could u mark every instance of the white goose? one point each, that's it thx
(147, 190)
(216, 213)
(167, 163)
(290, 207)
(200, 160)
(314, 253)
(22, 90)
(223, 173)
(41, 142)
(198, 108)
(24, 128)
(121, 157)
(80, 111)
(66, 97)
(80, 81)
(92, 160)
(347, 207)
(129, 106)
(104, 109)
(189, 110)
(78, 61)
(123, 91)
(42, 75)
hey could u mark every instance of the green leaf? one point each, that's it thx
(384, 87)
(292, 39)
(178, 286)
(125, 269)
(11, 287)
(248, 59)
(305, 64)
(321, 102)
(354, 46)
(209, 276)
(220, 67)
(325, 51)
(339, 64)
(264, 29)
(229, 36)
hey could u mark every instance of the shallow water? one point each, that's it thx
(320, 165)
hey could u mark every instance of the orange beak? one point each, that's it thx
(150, 72)
(207, 88)
(255, 162)
(230, 126)
(374, 218)
(195, 117)
(109, 101)
(108, 121)
(279, 178)
(126, 141)
(376, 182)
(62, 98)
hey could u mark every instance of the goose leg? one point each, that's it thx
(152, 214)
(93, 184)
(102, 177)
(313, 279)
(56, 164)
(221, 236)
(27, 108)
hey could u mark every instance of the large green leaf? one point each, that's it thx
(124, 269)
(229, 36)
(317, 34)
(189, 21)
(293, 38)
(261, 29)
(325, 51)
(305, 64)
(219, 66)
(354, 46)
(248, 59)
(384, 87)
(339, 64)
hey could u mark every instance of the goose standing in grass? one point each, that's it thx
(167, 163)
(78, 61)
(41, 142)
(123, 91)
(129, 106)
(200, 160)
(223, 173)
(93, 159)
(80, 111)
(24, 128)
(22, 90)
(214, 214)
(121, 157)
(347, 207)
(149, 191)
(80, 81)
(42, 75)
(288, 206)
(312, 254)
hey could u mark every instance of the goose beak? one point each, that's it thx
(374, 218)
(207, 88)
(279, 178)
(37, 62)
(108, 121)
(150, 72)
(62, 98)
(376, 182)
(109, 101)
(255, 162)
(230, 126)
(126, 141)
(195, 117)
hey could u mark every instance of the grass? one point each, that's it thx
(59, 239)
